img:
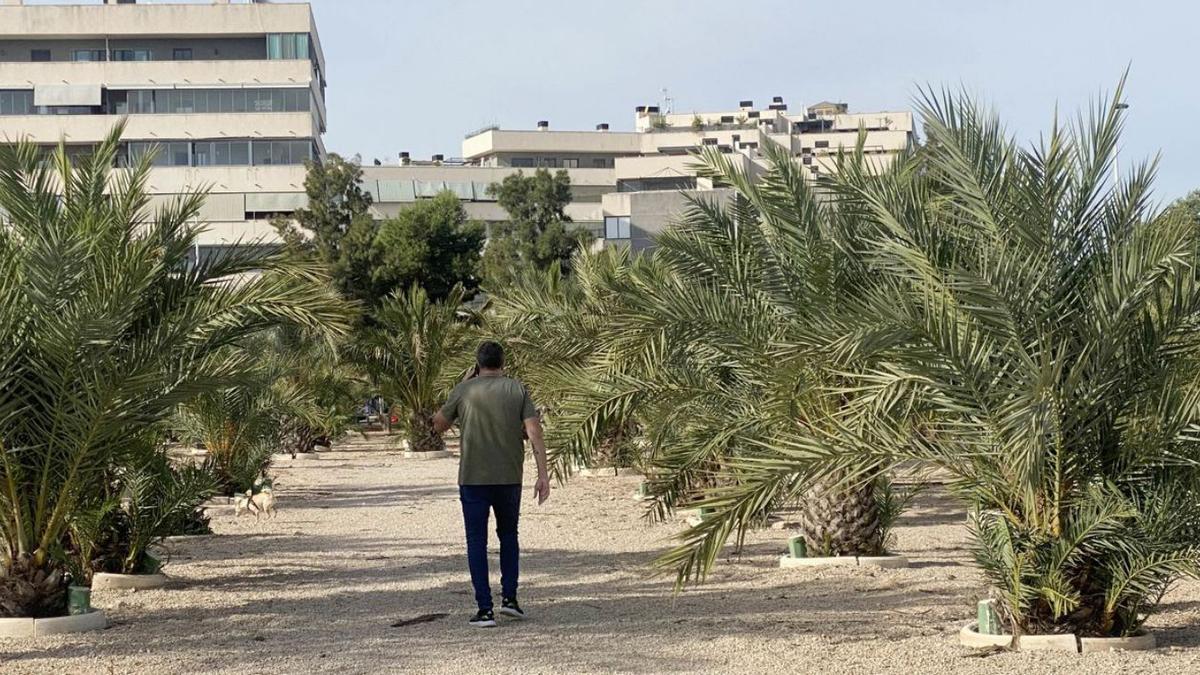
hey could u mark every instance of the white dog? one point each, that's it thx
(258, 504)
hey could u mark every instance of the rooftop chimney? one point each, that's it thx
(543, 125)
(640, 108)
(777, 99)
(439, 158)
(404, 159)
(652, 109)
(746, 105)
(603, 126)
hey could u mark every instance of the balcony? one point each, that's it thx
(85, 129)
(145, 74)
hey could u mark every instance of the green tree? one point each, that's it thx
(106, 326)
(431, 244)
(337, 228)
(538, 233)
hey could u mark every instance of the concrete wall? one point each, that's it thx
(213, 126)
(63, 21)
(557, 143)
(146, 74)
(650, 213)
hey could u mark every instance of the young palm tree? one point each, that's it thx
(559, 332)
(1034, 336)
(716, 346)
(416, 351)
(106, 326)
(1042, 318)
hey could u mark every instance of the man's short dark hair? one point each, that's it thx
(490, 355)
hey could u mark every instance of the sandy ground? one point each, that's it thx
(365, 540)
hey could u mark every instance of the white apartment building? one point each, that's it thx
(233, 95)
(628, 186)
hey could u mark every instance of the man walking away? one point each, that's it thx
(493, 412)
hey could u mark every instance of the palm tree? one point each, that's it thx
(106, 326)
(1042, 318)
(415, 351)
(1034, 336)
(717, 346)
(559, 332)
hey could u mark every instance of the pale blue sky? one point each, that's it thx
(417, 75)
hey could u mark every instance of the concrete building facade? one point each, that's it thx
(231, 94)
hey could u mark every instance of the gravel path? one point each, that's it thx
(365, 540)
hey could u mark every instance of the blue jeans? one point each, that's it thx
(505, 500)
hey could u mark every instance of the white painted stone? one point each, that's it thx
(79, 623)
(1133, 643)
(16, 628)
(887, 561)
(105, 581)
(436, 454)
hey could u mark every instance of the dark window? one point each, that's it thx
(807, 159)
(599, 163)
(88, 55)
(570, 164)
(821, 144)
(39, 55)
(654, 184)
(131, 55)
(16, 102)
(726, 119)
(181, 54)
(522, 162)
(710, 141)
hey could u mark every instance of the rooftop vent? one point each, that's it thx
(640, 108)
(652, 109)
(404, 159)
(777, 99)
(603, 126)
(778, 106)
(543, 125)
(438, 158)
(745, 104)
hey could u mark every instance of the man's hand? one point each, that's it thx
(541, 489)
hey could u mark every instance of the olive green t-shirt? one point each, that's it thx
(491, 413)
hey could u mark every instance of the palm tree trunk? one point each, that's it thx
(842, 520)
(29, 590)
(421, 436)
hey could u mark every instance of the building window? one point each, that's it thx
(39, 55)
(184, 101)
(16, 102)
(181, 54)
(550, 162)
(522, 162)
(656, 184)
(570, 164)
(225, 153)
(599, 163)
(821, 144)
(616, 227)
(287, 46)
(88, 55)
(131, 55)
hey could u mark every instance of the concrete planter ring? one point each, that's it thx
(1066, 642)
(107, 581)
(31, 628)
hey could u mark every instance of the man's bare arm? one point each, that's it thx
(440, 424)
(533, 429)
